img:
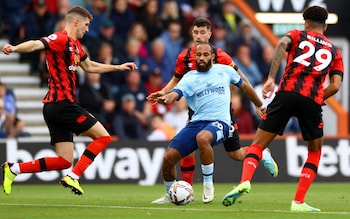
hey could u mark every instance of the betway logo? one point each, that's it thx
(333, 160)
(297, 5)
(123, 163)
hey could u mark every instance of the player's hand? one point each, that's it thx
(155, 95)
(268, 88)
(127, 66)
(260, 111)
(7, 49)
(162, 100)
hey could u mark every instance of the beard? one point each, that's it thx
(203, 68)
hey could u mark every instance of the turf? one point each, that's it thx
(107, 201)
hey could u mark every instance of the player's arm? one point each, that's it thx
(166, 89)
(25, 47)
(169, 97)
(333, 87)
(277, 58)
(96, 67)
(250, 92)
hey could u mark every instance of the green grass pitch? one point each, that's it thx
(107, 201)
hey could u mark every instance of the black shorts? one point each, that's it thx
(65, 118)
(288, 104)
(232, 142)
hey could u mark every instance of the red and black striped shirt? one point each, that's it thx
(311, 57)
(63, 56)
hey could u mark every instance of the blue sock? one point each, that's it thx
(168, 184)
(207, 171)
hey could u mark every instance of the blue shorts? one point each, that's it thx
(185, 140)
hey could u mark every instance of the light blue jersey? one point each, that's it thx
(208, 93)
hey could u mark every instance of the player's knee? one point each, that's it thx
(203, 138)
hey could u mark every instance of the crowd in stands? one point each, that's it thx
(150, 33)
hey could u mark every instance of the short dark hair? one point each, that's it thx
(206, 43)
(315, 14)
(80, 11)
(202, 22)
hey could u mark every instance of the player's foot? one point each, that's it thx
(8, 177)
(269, 163)
(208, 192)
(165, 199)
(231, 197)
(73, 184)
(303, 207)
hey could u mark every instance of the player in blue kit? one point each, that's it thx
(207, 91)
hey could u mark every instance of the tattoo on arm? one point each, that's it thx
(278, 55)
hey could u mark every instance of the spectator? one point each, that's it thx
(200, 9)
(161, 130)
(170, 11)
(243, 117)
(220, 38)
(127, 125)
(13, 13)
(139, 32)
(122, 17)
(265, 63)
(135, 87)
(247, 37)
(178, 114)
(97, 98)
(113, 79)
(150, 19)
(159, 60)
(98, 10)
(227, 16)
(247, 65)
(38, 23)
(13, 125)
(132, 49)
(155, 83)
(3, 133)
(108, 34)
(173, 41)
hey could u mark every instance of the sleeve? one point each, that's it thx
(55, 41)
(338, 66)
(223, 57)
(180, 67)
(235, 78)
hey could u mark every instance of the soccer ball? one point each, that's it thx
(181, 193)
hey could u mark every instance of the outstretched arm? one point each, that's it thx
(166, 89)
(250, 92)
(96, 67)
(168, 98)
(25, 47)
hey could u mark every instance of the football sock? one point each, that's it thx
(168, 185)
(308, 174)
(207, 171)
(187, 168)
(91, 151)
(251, 162)
(43, 164)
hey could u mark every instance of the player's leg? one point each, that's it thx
(187, 167)
(250, 163)
(173, 155)
(309, 119)
(212, 134)
(236, 152)
(64, 150)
